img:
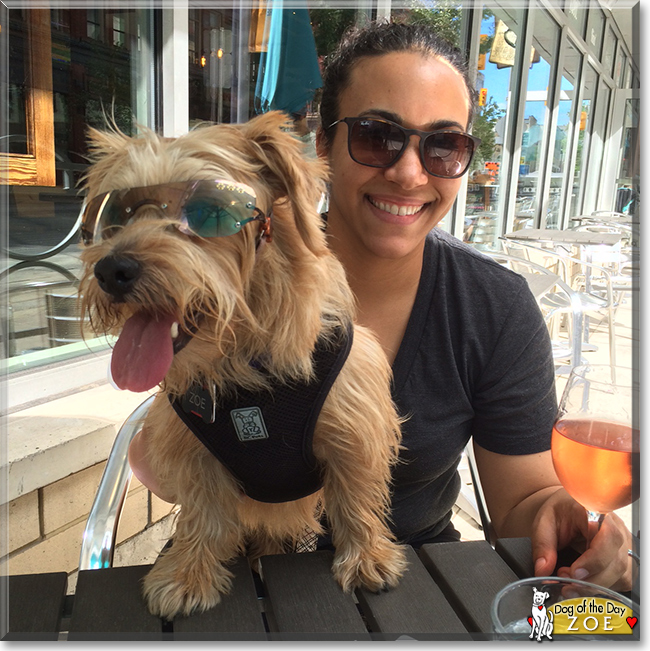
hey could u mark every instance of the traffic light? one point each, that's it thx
(482, 97)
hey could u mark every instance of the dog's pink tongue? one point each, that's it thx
(143, 353)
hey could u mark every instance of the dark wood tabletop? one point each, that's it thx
(445, 595)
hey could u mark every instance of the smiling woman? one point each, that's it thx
(413, 201)
(470, 353)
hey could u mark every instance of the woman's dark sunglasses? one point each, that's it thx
(205, 208)
(380, 143)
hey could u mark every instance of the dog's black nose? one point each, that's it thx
(116, 275)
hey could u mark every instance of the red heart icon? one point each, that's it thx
(540, 607)
(530, 621)
(632, 621)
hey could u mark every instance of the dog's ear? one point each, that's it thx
(292, 174)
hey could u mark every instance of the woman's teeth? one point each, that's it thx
(394, 209)
(174, 330)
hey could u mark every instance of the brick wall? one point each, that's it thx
(45, 526)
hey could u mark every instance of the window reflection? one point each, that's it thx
(210, 39)
(609, 49)
(595, 30)
(93, 61)
(597, 147)
(626, 201)
(563, 137)
(576, 11)
(496, 58)
(536, 123)
(585, 126)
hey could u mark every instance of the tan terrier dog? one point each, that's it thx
(208, 258)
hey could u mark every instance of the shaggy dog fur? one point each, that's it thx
(238, 305)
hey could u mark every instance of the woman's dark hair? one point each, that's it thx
(376, 39)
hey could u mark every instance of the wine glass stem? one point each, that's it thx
(594, 520)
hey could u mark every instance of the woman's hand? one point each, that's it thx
(560, 522)
(525, 498)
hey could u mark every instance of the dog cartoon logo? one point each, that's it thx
(249, 424)
(541, 620)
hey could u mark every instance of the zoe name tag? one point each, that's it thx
(198, 401)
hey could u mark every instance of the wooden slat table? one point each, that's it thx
(445, 595)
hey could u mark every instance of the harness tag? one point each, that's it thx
(249, 424)
(198, 401)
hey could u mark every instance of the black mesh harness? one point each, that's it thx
(265, 437)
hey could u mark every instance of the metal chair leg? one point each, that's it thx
(98, 544)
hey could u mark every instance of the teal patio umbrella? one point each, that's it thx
(289, 73)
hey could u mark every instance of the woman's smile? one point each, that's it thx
(386, 212)
(395, 211)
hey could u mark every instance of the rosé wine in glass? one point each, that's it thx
(594, 461)
(595, 440)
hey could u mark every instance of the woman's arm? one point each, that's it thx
(525, 498)
(141, 467)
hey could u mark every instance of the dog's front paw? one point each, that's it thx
(375, 569)
(169, 594)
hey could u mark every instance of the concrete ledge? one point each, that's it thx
(42, 450)
(23, 388)
(54, 440)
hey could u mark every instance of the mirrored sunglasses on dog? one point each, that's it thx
(203, 208)
(377, 142)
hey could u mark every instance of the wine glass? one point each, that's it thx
(595, 440)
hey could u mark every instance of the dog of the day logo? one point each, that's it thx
(578, 616)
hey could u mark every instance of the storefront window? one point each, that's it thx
(595, 30)
(621, 65)
(626, 200)
(498, 40)
(536, 119)
(609, 49)
(563, 137)
(210, 41)
(576, 12)
(586, 120)
(68, 70)
(627, 83)
(596, 148)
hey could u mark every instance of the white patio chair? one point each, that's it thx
(559, 300)
(591, 283)
(471, 500)
(621, 261)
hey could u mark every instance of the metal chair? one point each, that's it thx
(621, 261)
(559, 300)
(473, 501)
(591, 283)
(98, 543)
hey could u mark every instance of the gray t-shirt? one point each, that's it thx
(475, 360)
